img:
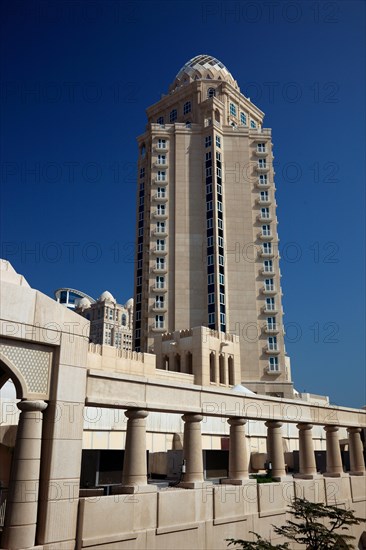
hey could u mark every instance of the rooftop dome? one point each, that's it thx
(202, 67)
(83, 303)
(242, 389)
(129, 303)
(106, 296)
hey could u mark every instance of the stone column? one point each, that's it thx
(22, 503)
(192, 451)
(356, 452)
(134, 465)
(307, 469)
(275, 448)
(217, 369)
(238, 456)
(334, 460)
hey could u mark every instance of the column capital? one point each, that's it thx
(133, 414)
(32, 406)
(237, 421)
(354, 430)
(331, 428)
(192, 417)
(304, 426)
(274, 424)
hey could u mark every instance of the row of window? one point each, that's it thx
(173, 115)
(243, 117)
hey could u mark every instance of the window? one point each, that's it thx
(221, 241)
(161, 143)
(208, 141)
(208, 172)
(160, 120)
(218, 172)
(161, 194)
(187, 107)
(273, 364)
(161, 159)
(267, 248)
(161, 175)
(209, 188)
(159, 302)
(160, 210)
(210, 223)
(160, 245)
(232, 109)
(210, 279)
(208, 155)
(219, 206)
(262, 163)
(142, 173)
(159, 321)
(219, 224)
(263, 179)
(270, 304)
(271, 323)
(210, 259)
(140, 248)
(139, 281)
(160, 263)
(138, 299)
(141, 216)
(211, 92)
(211, 298)
(218, 156)
(261, 147)
(268, 284)
(272, 343)
(265, 213)
(221, 279)
(124, 320)
(222, 298)
(221, 259)
(243, 119)
(141, 201)
(209, 241)
(266, 230)
(222, 318)
(173, 115)
(263, 195)
(209, 206)
(267, 267)
(160, 282)
(218, 141)
(160, 227)
(219, 188)
(253, 124)
(211, 318)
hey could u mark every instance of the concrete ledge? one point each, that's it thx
(178, 527)
(278, 512)
(119, 537)
(232, 519)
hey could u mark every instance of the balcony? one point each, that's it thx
(272, 370)
(159, 197)
(160, 164)
(157, 328)
(267, 254)
(159, 233)
(272, 349)
(161, 183)
(157, 288)
(264, 201)
(263, 168)
(160, 215)
(265, 236)
(273, 328)
(159, 270)
(160, 251)
(269, 310)
(267, 272)
(269, 290)
(264, 218)
(159, 308)
(261, 153)
(161, 148)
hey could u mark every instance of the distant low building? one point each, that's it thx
(110, 323)
(70, 296)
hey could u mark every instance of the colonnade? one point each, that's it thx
(22, 505)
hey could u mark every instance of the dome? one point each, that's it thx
(106, 296)
(242, 389)
(83, 303)
(129, 303)
(202, 67)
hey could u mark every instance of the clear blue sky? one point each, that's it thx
(77, 78)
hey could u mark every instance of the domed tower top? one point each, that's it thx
(202, 67)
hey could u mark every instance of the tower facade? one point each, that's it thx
(207, 243)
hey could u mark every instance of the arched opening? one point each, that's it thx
(189, 363)
(217, 115)
(124, 320)
(362, 542)
(222, 369)
(211, 92)
(231, 371)
(212, 367)
(165, 362)
(177, 362)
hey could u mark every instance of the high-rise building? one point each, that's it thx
(207, 243)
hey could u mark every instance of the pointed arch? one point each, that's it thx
(9, 370)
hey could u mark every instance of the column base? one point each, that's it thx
(285, 477)
(132, 489)
(233, 481)
(335, 474)
(362, 473)
(194, 484)
(308, 476)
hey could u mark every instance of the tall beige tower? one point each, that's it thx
(207, 243)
